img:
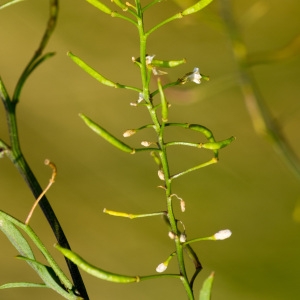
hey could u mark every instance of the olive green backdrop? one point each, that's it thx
(250, 191)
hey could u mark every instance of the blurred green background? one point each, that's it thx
(250, 191)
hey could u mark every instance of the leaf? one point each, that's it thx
(52, 276)
(21, 284)
(15, 237)
(205, 293)
(49, 277)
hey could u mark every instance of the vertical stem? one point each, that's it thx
(16, 156)
(159, 128)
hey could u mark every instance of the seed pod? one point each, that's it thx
(164, 103)
(196, 7)
(207, 133)
(91, 71)
(218, 145)
(94, 271)
(167, 63)
(120, 4)
(100, 6)
(106, 135)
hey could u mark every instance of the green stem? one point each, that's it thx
(159, 128)
(175, 17)
(16, 156)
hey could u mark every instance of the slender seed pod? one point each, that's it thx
(167, 63)
(91, 71)
(94, 271)
(207, 133)
(106, 135)
(120, 4)
(196, 7)
(100, 6)
(164, 103)
(218, 145)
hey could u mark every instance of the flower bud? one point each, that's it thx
(129, 132)
(182, 205)
(145, 143)
(161, 175)
(171, 235)
(161, 268)
(182, 238)
(222, 234)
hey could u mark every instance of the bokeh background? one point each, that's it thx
(250, 191)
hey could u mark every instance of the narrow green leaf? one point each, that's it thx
(94, 271)
(29, 69)
(205, 293)
(15, 237)
(21, 284)
(196, 7)
(49, 277)
(106, 135)
(7, 225)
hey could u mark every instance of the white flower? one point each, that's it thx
(182, 238)
(195, 76)
(161, 175)
(171, 235)
(141, 98)
(182, 205)
(146, 143)
(149, 59)
(223, 234)
(161, 268)
(155, 71)
(129, 132)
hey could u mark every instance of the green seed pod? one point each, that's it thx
(91, 71)
(106, 135)
(218, 145)
(100, 6)
(164, 103)
(207, 133)
(120, 4)
(94, 271)
(196, 7)
(167, 63)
